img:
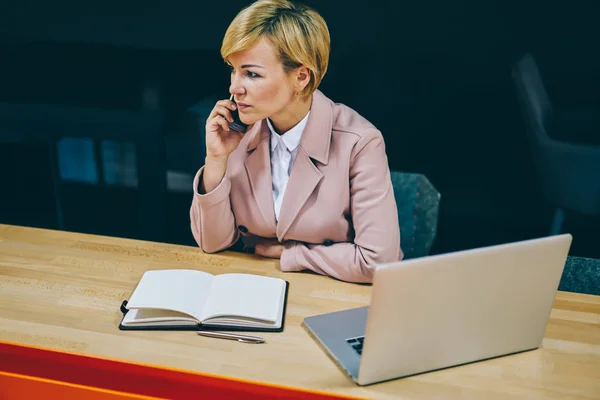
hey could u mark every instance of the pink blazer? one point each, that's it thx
(338, 216)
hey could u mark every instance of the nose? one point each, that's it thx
(236, 88)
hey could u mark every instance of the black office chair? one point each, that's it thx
(581, 275)
(418, 203)
(566, 157)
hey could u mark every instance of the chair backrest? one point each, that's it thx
(581, 275)
(567, 172)
(533, 99)
(418, 208)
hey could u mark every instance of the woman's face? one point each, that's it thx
(261, 87)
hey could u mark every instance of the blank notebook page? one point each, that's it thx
(180, 290)
(246, 296)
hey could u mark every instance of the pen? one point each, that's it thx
(232, 336)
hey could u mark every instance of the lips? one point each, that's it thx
(242, 106)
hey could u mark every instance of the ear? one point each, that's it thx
(302, 77)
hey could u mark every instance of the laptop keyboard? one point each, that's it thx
(356, 343)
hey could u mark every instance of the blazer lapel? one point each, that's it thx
(303, 180)
(258, 169)
(305, 175)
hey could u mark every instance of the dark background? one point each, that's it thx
(433, 76)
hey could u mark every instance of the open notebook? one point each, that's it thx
(182, 299)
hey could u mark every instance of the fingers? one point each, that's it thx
(224, 108)
(270, 248)
(269, 251)
(265, 250)
(228, 103)
(259, 249)
(225, 112)
(217, 122)
(266, 241)
(221, 115)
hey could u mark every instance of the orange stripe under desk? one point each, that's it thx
(41, 367)
(16, 386)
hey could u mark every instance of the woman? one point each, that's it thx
(308, 182)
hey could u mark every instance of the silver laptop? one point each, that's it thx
(446, 310)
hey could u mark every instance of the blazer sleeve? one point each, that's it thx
(374, 218)
(212, 220)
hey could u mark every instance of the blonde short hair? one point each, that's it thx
(298, 33)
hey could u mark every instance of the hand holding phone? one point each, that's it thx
(223, 135)
(237, 125)
(221, 138)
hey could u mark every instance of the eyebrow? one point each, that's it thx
(251, 65)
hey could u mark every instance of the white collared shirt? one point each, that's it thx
(284, 149)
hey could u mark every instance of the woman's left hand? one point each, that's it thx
(270, 248)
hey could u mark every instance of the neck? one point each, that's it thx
(291, 115)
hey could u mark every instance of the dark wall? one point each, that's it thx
(433, 75)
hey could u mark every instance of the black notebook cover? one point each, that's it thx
(205, 327)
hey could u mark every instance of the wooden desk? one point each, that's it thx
(63, 290)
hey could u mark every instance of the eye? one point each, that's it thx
(252, 74)
(230, 68)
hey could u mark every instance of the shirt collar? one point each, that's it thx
(291, 138)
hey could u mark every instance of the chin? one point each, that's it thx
(250, 119)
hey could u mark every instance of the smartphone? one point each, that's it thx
(237, 125)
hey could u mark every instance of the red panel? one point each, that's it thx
(137, 378)
(19, 387)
